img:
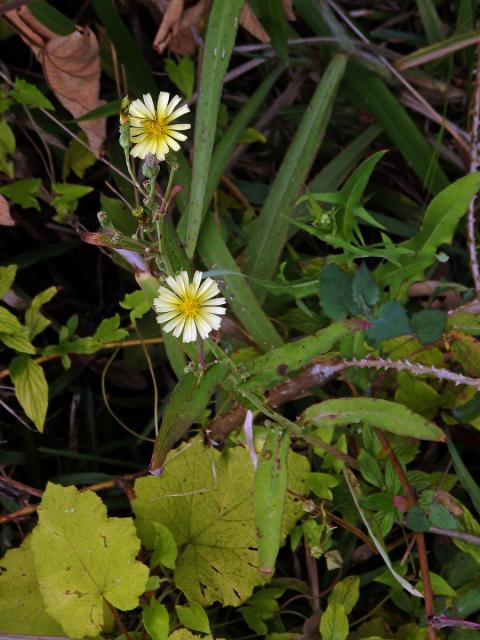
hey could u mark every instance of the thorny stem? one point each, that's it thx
(419, 537)
(474, 164)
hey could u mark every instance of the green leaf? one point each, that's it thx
(336, 293)
(29, 95)
(441, 517)
(440, 221)
(383, 414)
(187, 402)
(440, 586)
(370, 469)
(77, 158)
(7, 148)
(466, 479)
(205, 499)
(31, 388)
(320, 484)
(346, 593)
(7, 276)
(82, 558)
(392, 321)
(365, 290)
(118, 215)
(139, 75)
(250, 134)
(272, 16)
(136, 303)
(22, 191)
(182, 74)
(165, 548)
(429, 325)
(21, 606)
(34, 320)
(193, 617)
(51, 17)
(466, 351)
(156, 620)
(18, 341)
(270, 490)
(334, 623)
(66, 200)
(8, 322)
(417, 520)
(108, 330)
(215, 254)
(271, 227)
(111, 108)
(219, 42)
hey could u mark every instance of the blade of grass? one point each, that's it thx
(271, 228)
(220, 38)
(139, 75)
(226, 146)
(439, 49)
(466, 479)
(272, 16)
(215, 255)
(369, 91)
(430, 20)
(51, 17)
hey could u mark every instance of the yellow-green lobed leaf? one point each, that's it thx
(84, 559)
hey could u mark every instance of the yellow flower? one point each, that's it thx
(189, 307)
(151, 130)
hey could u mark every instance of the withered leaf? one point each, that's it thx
(71, 65)
(6, 219)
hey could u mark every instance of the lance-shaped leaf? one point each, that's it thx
(271, 228)
(21, 606)
(189, 399)
(269, 497)
(219, 41)
(31, 388)
(386, 415)
(84, 560)
(205, 498)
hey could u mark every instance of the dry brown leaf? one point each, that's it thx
(6, 219)
(288, 8)
(175, 31)
(71, 65)
(252, 24)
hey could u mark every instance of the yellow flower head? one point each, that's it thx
(189, 307)
(151, 129)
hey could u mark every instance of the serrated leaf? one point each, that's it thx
(392, 321)
(336, 293)
(383, 414)
(182, 74)
(334, 623)
(108, 330)
(21, 606)
(321, 483)
(365, 290)
(66, 200)
(77, 158)
(429, 325)
(156, 620)
(136, 303)
(193, 617)
(31, 388)
(7, 277)
(83, 558)
(34, 320)
(22, 192)
(205, 499)
(29, 95)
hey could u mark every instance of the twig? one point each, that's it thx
(474, 124)
(99, 486)
(19, 487)
(419, 537)
(312, 571)
(459, 535)
(118, 344)
(119, 621)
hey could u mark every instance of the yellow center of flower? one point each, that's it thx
(189, 306)
(154, 127)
